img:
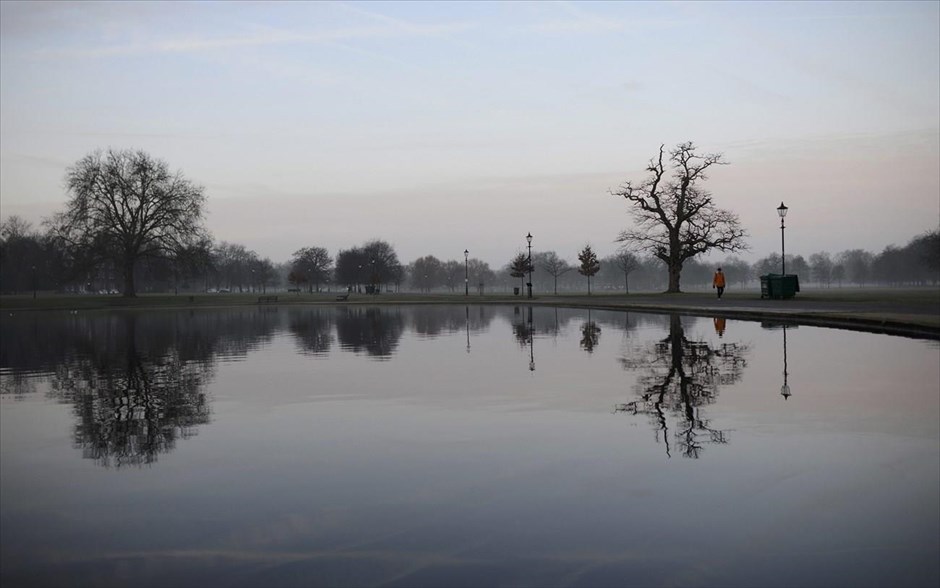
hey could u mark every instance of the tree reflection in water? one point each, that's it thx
(374, 330)
(312, 329)
(136, 381)
(680, 377)
(590, 334)
(133, 396)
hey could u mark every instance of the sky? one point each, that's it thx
(441, 127)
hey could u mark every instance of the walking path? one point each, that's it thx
(913, 313)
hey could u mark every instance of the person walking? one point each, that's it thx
(718, 282)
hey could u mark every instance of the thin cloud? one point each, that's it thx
(196, 44)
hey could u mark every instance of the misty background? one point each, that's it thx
(440, 127)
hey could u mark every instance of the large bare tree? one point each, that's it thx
(676, 219)
(126, 205)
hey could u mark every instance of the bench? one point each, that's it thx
(267, 299)
(343, 297)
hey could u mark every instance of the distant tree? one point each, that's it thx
(797, 265)
(768, 265)
(675, 218)
(352, 267)
(927, 249)
(857, 263)
(125, 206)
(382, 263)
(554, 265)
(589, 264)
(426, 273)
(519, 267)
(233, 265)
(838, 273)
(314, 264)
(627, 263)
(453, 272)
(820, 267)
(296, 279)
(192, 263)
(736, 270)
(480, 274)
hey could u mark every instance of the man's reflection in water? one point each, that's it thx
(720, 326)
(679, 378)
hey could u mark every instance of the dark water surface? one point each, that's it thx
(475, 446)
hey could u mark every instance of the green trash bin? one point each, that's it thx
(779, 286)
(789, 285)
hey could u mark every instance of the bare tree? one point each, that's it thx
(126, 205)
(554, 266)
(627, 263)
(589, 264)
(675, 218)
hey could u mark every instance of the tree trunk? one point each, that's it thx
(129, 289)
(589, 285)
(675, 268)
(626, 283)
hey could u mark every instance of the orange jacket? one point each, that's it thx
(719, 281)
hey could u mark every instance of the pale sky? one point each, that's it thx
(448, 126)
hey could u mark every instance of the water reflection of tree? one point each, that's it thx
(136, 381)
(431, 321)
(680, 377)
(590, 334)
(313, 329)
(133, 396)
(372, 329)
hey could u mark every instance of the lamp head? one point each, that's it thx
(782, 210)
(529, 238)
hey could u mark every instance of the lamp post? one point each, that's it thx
(373, 278)
(529, 263)
(34, 282)
(782, 211)
(466, 272)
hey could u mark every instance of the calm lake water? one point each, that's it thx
(472, 446)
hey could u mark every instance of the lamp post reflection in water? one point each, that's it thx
(467, 309)
(531, 340)
(785, 389)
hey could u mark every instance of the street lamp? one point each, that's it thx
(782, 211)
(529, 239)
(466, 272)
